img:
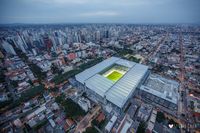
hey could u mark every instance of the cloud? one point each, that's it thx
(122, 2)
(100, 13)
(28, 17)
(60, 2)
(132, 11)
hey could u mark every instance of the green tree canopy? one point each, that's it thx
(141, 127)
(160, 117)
(71, 108)
(91, 130)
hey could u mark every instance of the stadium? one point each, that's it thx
(114, 80)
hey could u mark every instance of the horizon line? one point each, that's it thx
(57, 23)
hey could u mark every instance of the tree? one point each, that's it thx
(95, 122)
(90, 63)
(55, 89)
(2, 76)
(71, 108)
(91, 130)
(141, 127)
(30, 93)
(30, 82)
(53, 54)
(62, 77)
(40, 124)
(55, 69)
(192, 105)
(132, 58)
(14, 83)
(100, 125)
(5, 103)
(37, 71)
(160, 117)
(26, 95)
(60, 99)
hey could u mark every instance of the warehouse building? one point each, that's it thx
(161, 91)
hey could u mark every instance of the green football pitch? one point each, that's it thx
(114, 76)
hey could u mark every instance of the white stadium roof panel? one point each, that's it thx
(126, 85)
(125, 63)
(99, 84)
(81, 77)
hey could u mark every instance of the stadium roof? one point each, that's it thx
(121, 91)
(115, 92)
(88, 73)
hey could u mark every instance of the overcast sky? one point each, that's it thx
(100, 11)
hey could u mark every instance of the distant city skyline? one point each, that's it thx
(100, 11)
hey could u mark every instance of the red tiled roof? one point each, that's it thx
(71, 56)
(70, 122)
(101, 117)
(66, 126)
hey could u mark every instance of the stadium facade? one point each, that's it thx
(113, 79)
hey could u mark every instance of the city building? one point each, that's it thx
(160, 91)
(144, 112)
(8, 48)
(152, 120)
(125, 124)
(111, 123)
(84, 104)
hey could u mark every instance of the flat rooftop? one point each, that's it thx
(114, 79)
(161, 87)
